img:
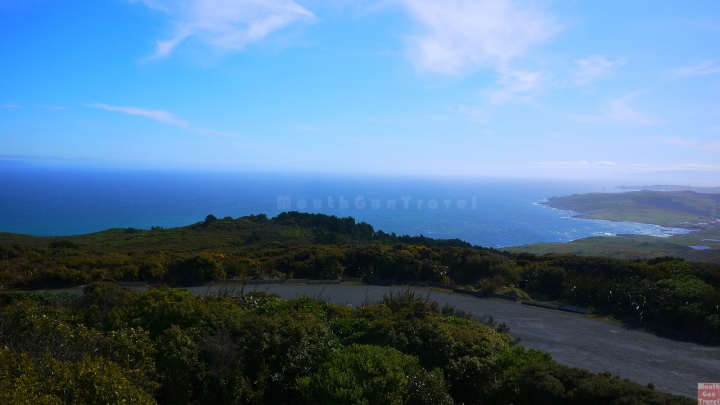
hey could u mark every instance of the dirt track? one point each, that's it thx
(574, 340)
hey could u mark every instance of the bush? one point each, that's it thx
(545, 280)
(552, 383)
(178, 362)
(373, 375)
(48, 381)
(201, 267)
(466, 351)
(288, 346)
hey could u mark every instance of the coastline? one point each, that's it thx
(704, 232)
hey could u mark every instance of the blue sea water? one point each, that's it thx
(497, 212)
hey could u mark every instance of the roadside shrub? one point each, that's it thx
(546, 280)
(201, 267)
(686, 302)
(552, 383)
(363, 374)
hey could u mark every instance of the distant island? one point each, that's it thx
(694, 211)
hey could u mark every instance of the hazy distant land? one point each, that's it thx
(670, 187)
(699, 212)
(12, 163)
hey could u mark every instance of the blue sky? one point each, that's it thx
(453, 87)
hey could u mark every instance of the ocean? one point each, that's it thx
(489, 212)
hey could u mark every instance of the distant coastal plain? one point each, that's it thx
(698, 212)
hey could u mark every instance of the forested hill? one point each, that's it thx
(248, 233)
(669, 292)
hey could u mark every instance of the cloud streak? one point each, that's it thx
(620, 110)
(516, 86)
(228, 25)
(159, 116)
(701, 69)
(594, 67)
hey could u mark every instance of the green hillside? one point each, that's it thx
(673, 209)
(697, 212)
(315, 246)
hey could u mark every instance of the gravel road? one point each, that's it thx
(673, 366)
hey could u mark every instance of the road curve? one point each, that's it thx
(673, 366)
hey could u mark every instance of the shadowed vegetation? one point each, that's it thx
(667, 292)
(168, 346)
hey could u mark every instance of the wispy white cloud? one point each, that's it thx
(54, 107)
(618, 110)
(621, 110)
(157, 115)
(703, 68)
(461, 35)
(523, 86)
(228, 25)
(593, 67)
(605, 163)
(516, 86)
(165, 47)
(160, 116)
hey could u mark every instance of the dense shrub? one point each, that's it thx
(552, 383)
(48, 381)
(547, 280)
(373, 375)
(201, 267)
(169, 346)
